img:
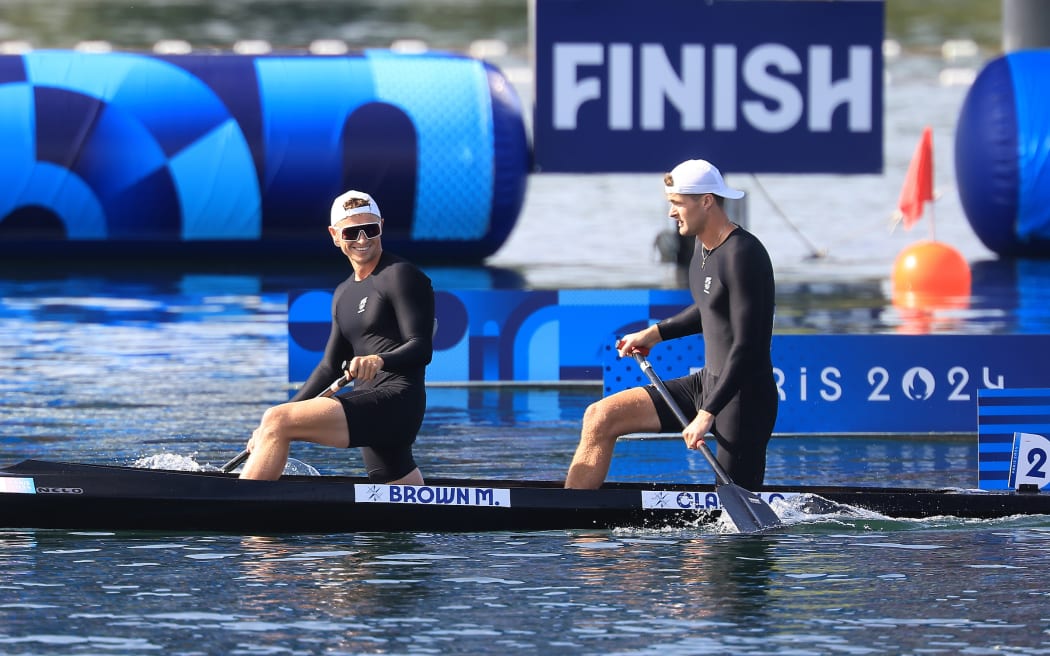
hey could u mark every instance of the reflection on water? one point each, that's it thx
(815, 590)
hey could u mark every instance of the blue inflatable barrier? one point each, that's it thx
(1002, 154)
(220, 154)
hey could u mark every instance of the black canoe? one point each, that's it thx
(40, 494)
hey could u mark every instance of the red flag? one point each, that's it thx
(918, 184)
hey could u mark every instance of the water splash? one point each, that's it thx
(812, 508)
(169, 461)
(299, 468)
(176, 462)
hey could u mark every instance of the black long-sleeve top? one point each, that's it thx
(733, 305)
(390, 314)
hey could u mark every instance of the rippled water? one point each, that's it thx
(119, 369)
(862, 587)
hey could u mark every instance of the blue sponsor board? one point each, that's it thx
(872, 383)
(637, 87)
(828, 383)
(1013, 425)
(502, 335)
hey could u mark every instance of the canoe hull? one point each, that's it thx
(40, 494)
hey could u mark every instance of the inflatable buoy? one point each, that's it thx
(216, 155)
(931, 275)
(1002, 154)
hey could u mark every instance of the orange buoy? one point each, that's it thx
(931, 275)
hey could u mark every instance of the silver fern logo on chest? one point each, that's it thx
(707, 284)
(361, 305)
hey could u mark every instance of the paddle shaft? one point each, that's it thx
(329, 391)
(748, 511)
(647, 368)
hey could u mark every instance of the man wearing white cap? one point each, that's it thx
(734, 395)
(382, 327)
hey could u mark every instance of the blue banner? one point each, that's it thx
(626, 86)
(830, 384)
(502, 335)
(909, 384)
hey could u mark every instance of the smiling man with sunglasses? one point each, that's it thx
(382, 327)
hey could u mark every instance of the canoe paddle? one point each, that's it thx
(336, 385)
(748, 511)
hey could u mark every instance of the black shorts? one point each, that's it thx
(384, 425)
(742, 428)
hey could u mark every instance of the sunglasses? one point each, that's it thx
(353, 232)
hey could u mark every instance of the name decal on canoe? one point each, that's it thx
(683, 500)
(429, 495)
(17, 485)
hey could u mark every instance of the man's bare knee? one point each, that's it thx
(274, 423)
(598, 421)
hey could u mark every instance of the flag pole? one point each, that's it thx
(931, 201)
(933, 214)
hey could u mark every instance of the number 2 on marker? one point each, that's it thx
(1037, 459)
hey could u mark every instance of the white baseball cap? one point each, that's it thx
(698, 176)
(340, 213)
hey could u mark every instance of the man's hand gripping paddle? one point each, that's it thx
(331, 390)
(748, 511)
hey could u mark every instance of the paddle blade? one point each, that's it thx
(748, 511)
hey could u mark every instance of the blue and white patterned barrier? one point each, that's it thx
(219, 154)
